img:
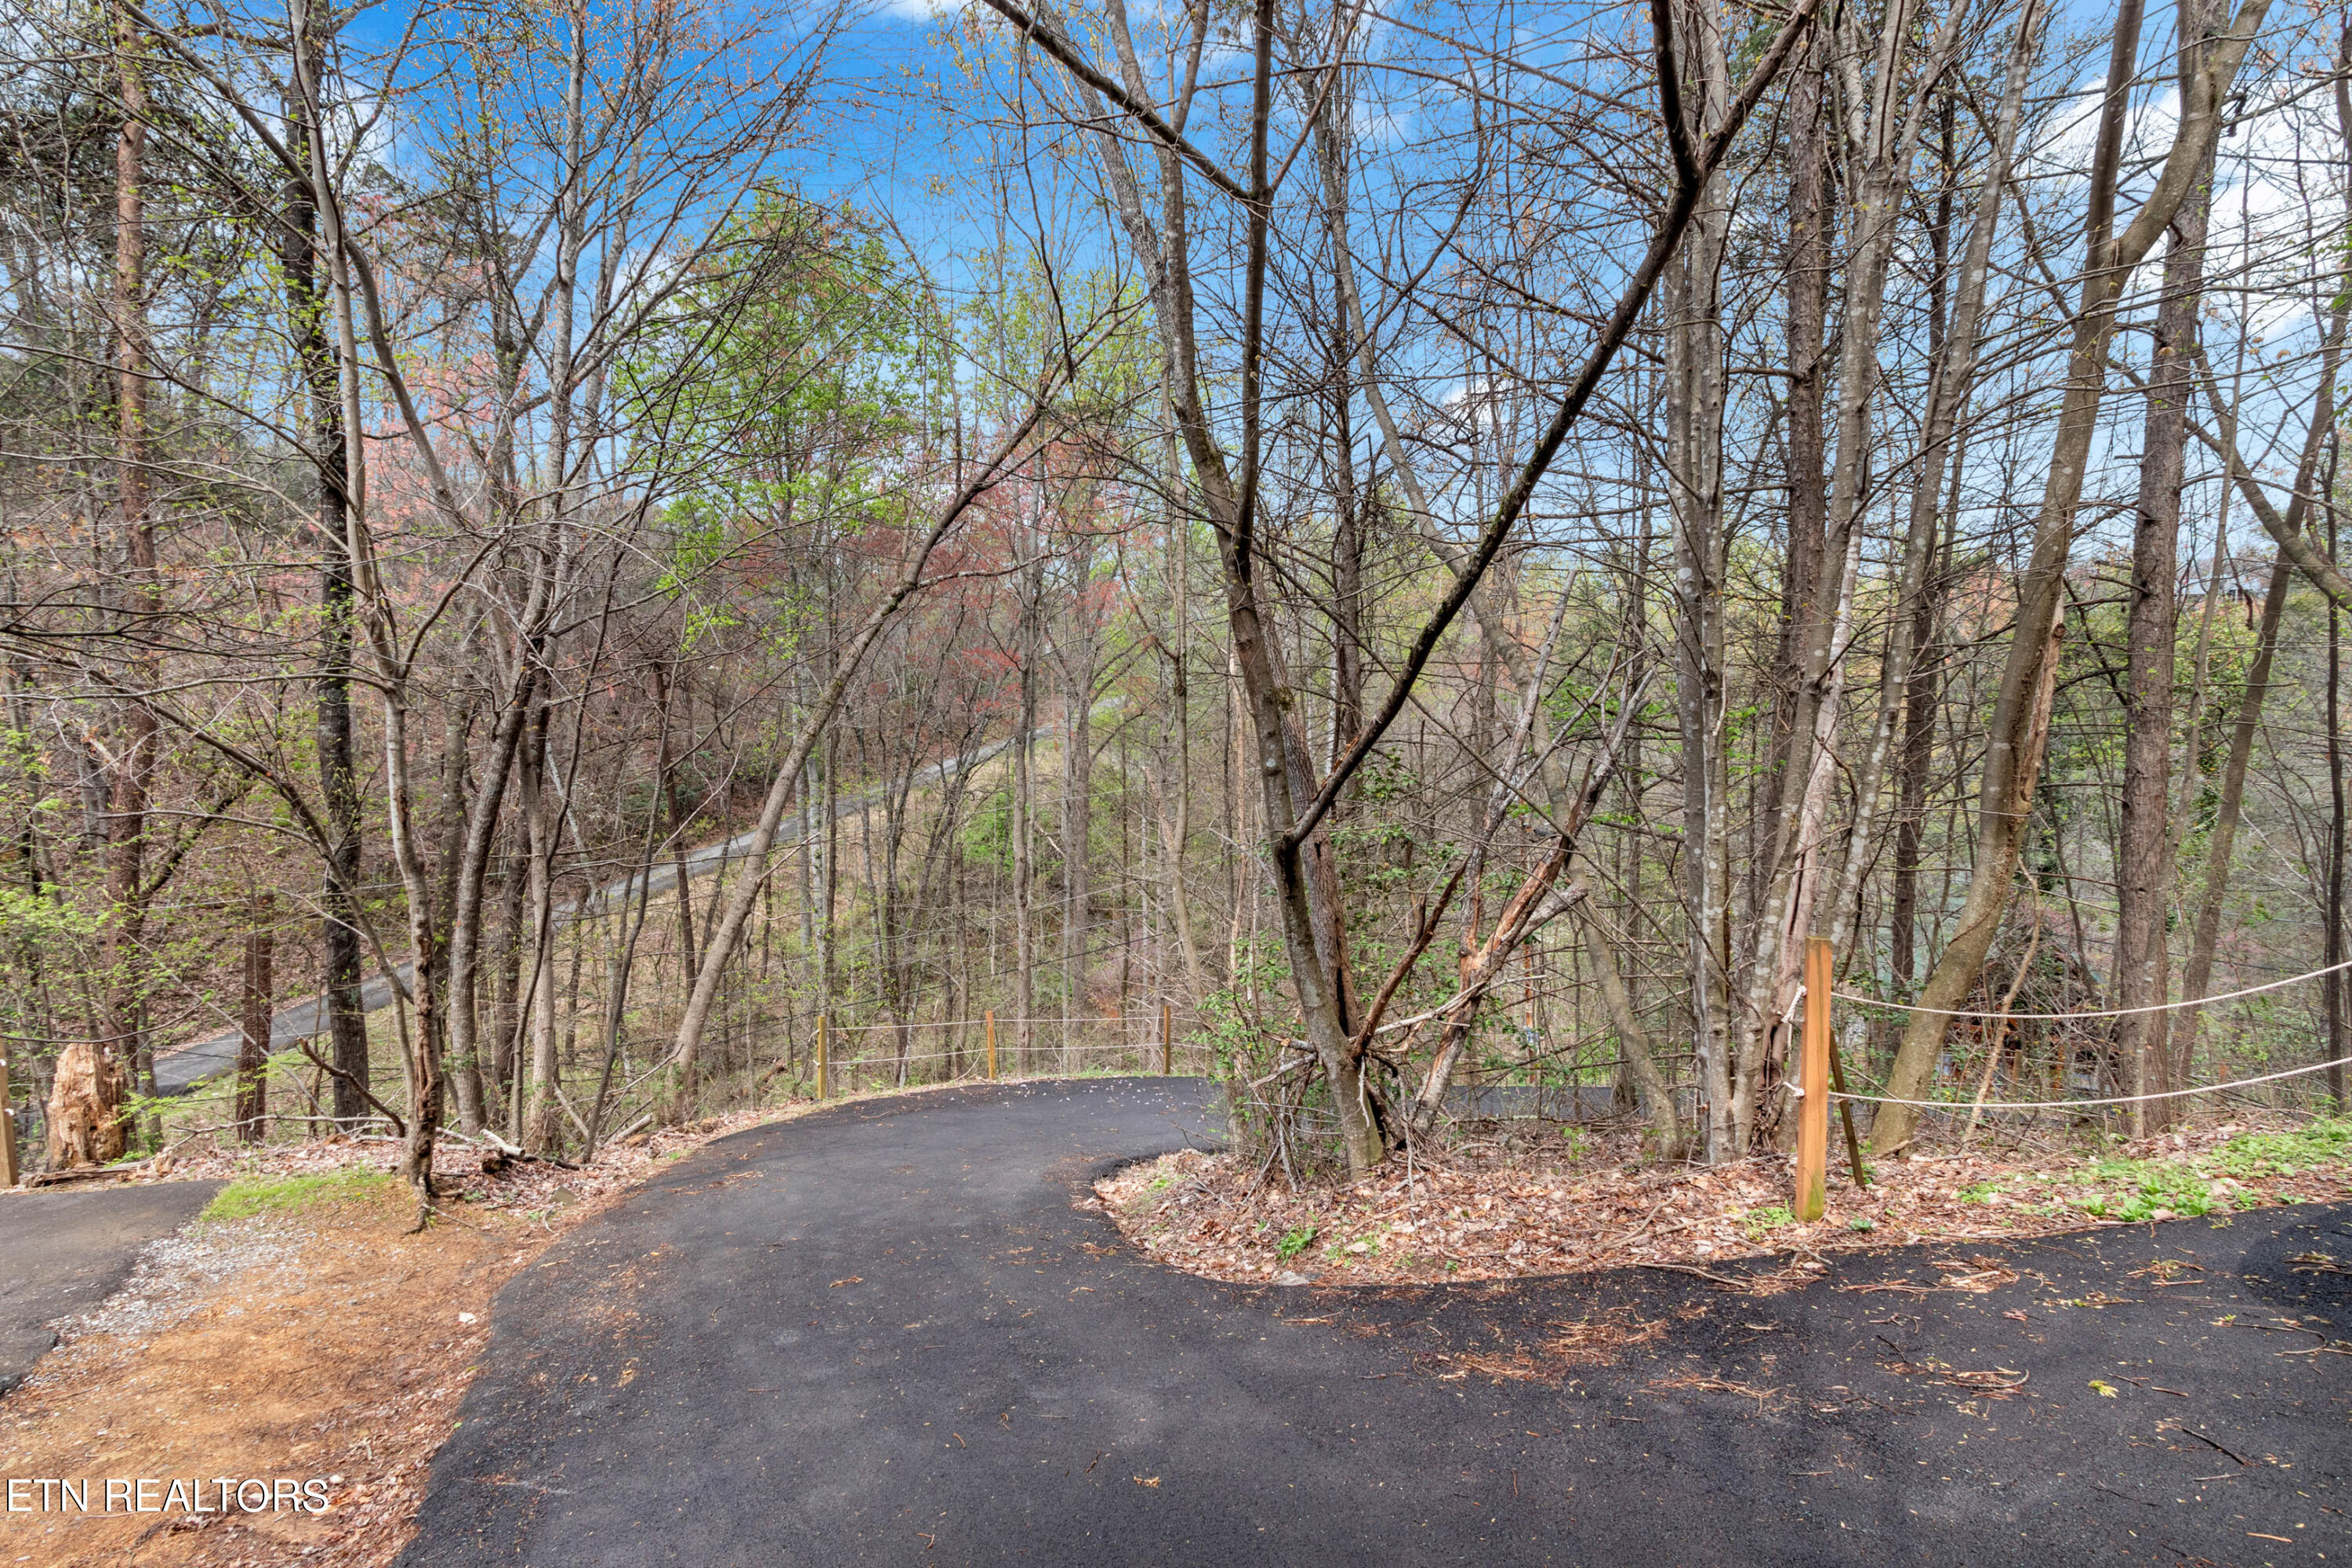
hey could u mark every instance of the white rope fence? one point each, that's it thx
(2005, 1016)
(2223, 1088)
(877, 1062)
(2104, 1012)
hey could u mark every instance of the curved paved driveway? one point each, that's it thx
(884, 1334)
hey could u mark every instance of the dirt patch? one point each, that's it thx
(1507, 1201)
(316, 1339)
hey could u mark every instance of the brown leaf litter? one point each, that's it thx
(1509, 1201)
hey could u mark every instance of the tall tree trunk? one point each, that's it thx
(421, 1056)
(666, 765)
(1916, 750)
(506, 1003)
(828, 891)
(1912, 763)
(540, 1127)
(135, 745)
(2332, 946)
(1905, 702)
(2285, 528)
(1347, 562)
(1694, 411)
(1884, 136)
(1025, 830)
(1175, 784)
(2144, 863)
(338, 935)
(1806, 274)
(1078, 805)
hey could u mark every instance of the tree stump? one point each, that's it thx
(86, 1121)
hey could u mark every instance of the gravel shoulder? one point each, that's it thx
(64, 1252)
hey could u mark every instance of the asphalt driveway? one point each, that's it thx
(885, 1335)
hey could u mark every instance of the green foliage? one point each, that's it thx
(2258, 1154)
(1759, 1223)
(987, 832)
(2141, 1189)
(794, 375)
(31, 917)
(1294, 1241)
(250, 1196)
(1233, 1025)
(1246, 1027)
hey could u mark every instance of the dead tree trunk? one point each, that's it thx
(85, 1112)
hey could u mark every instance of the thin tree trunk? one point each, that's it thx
(1078, 804)
(1347, 562)
(421, 1056)
(1806, 282)
(2332, 947)
(665, 767)
(1694, 410)
(728, 929)
(255, 1001)
(506, 1005)
(541, 1128)
(1888, 141)
(1633, 1042)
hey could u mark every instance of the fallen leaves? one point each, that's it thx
(1709, 1383)
(1507, 1201)
(1587, 1341)
(1995, 1383)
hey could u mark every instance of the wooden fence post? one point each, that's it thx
(991, 1045)
(1166, 1044)
(1813, 1079)
(821, 1085)
(7, 1130)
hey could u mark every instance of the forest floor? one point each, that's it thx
(1512, 1199)
(301, 1328)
